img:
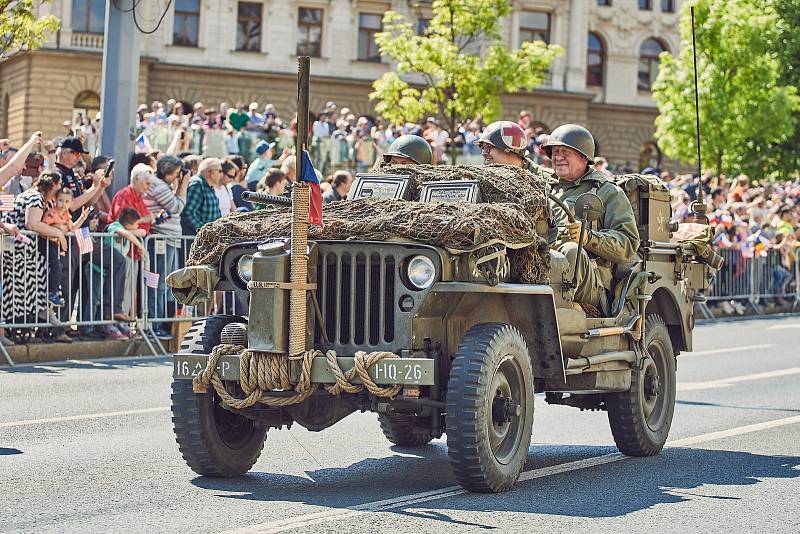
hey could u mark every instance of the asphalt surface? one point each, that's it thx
(89, 447)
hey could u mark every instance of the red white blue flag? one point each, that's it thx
(6, 202)
(150, 279)
(309, 175)
(85, 243)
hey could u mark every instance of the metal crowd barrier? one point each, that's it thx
(160, 309)
(96, 286)
(94, 289)
(747, 282)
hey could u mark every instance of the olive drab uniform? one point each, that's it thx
(614, 237)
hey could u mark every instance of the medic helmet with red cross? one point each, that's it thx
(507, 136)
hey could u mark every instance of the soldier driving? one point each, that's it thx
(409, 150)
(615, 238)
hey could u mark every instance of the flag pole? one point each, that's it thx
(300, 207)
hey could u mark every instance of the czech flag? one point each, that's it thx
(309, 176)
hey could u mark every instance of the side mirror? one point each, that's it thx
(589, 207)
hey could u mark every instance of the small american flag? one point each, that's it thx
(85, 243)
(6, 202)
(150, 279)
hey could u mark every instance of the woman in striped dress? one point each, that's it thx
(24, 266)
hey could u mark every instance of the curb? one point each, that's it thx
(77, 350)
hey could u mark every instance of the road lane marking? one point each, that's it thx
(783, 326)
(727, 382)
(326, 516)
(29, 422)
(725, 351)
(735, 431)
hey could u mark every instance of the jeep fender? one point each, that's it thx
(452, 308)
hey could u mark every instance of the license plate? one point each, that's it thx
(188, 366)
(407, 371)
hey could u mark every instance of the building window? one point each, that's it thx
(534, 26)
(648, 63)
(88, 16)
(668, 6)
(646, 4)
(603, 2)
(248, 26)
(595, 60)
(368, 25)
(187, 23)
(86, 104)
(309, 32)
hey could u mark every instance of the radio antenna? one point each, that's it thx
(698, 206)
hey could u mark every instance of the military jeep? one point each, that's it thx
(473, 347)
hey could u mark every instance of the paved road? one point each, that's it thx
(88, 447)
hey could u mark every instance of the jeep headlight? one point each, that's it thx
(245, 267)
(421, 272)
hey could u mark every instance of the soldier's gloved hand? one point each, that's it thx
(574, 232)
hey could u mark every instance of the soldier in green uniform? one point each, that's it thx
(615, 238)
(409, 150)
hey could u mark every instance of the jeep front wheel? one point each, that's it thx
(641, 417)
(212, 440)
(489, 408)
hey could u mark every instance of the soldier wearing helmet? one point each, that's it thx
(409, 150)
(614, 239)
(505, 143)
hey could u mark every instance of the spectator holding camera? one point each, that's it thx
(167, 196)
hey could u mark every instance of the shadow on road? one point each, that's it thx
(610, 490)
(98, 365)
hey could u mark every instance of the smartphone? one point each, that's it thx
(183, 134)
(110, 167)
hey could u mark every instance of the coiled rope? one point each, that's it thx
(263, 374)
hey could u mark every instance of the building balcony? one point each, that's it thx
(86, 41)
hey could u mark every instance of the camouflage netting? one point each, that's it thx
(519, 199)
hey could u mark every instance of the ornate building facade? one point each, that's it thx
(228, 50)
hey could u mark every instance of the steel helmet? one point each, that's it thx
(507, 136)
(573, 136)
(413, 147)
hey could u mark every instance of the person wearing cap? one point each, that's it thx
(613, 238)
(261, 165)
(408, 150)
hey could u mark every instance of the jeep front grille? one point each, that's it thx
(357, 295)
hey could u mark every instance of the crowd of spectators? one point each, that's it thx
(191, 165)
(753, 219)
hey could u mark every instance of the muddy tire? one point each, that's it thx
(212, 440)
(640, 418)
(489, 408)
(401, 430)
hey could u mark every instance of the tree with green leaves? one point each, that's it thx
(458, 68)
(784, 155)
(744, 104)
(21, 28)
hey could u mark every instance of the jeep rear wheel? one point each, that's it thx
(401, 430)
(212, 440)
(640, 418)
(490, 408)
